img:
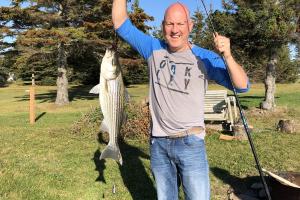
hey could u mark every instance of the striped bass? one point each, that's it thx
(111, 92)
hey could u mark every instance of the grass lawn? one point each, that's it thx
(48, 161)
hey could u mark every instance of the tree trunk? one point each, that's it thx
(269, 101)
(62, 96)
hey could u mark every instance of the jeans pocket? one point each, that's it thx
(192, 141)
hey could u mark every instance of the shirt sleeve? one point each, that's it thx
(137, 39)
(216, 69)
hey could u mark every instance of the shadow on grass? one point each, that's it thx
(238, 185)
(80, 92)
(100, 166)
(255, 100)
(40, 116)
(246, 99)
(133, 172)
(251, 97)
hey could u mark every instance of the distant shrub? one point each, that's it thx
(19, 82)
(2, 81)
(48, 81)
(88, 124)
(136, 126)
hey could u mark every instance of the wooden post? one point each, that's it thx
(32, 101)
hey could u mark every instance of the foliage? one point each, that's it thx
(3, 73)
(139, 17)
(88, 124)
(198, 33)
(6, 61)
(84, 27)
(287, 71)
(84, 66)
(256, 29)
(137, 125)
(157, 33)
(51, 81)
(136, 74)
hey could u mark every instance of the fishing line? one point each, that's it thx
(114, 45)
(242, 114)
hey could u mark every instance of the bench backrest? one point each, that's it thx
(215, 101)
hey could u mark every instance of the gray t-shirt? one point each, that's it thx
(178, 82)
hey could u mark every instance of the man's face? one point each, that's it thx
(176, 29)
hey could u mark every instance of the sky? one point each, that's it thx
(156, 8)
(4, 3)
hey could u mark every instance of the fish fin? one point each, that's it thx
(95, 89)
(112, 152)
(127, 96)
(104, 127)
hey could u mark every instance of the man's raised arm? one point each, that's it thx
(119, 12)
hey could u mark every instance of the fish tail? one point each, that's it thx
(112, 152)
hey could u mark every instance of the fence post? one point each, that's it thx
(32, 101)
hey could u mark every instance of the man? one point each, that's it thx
(179, 72)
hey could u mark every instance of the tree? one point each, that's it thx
(2, 75)
(52, 29)
(260, 29)
(2, 80)
(58, 27)
(198, 34)
(287, 70)
(5, 31)
(70, 36)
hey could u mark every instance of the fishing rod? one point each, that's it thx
(242, 115)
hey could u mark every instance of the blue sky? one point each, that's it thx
(4, 3)
(157, 8)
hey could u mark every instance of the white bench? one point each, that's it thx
(220, 107)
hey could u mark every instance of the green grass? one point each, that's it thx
(47, 161)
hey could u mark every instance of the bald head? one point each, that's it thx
(176, 27)
(178, 8)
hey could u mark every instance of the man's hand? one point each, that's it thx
(222, 44)
(238, 75)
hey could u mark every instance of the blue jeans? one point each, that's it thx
(185, 156)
